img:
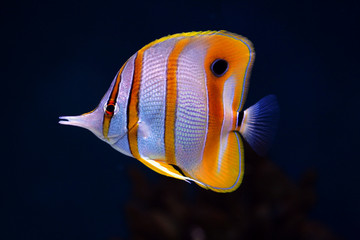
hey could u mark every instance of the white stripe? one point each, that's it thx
(119, 120)
(192, 107)
(152, 100)
(228, 98)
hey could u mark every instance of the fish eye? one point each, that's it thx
(219, 67)
(110, 108)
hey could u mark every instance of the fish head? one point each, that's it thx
(108, 120)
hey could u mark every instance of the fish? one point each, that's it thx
(176, 106)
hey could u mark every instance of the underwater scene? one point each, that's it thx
(217, 120)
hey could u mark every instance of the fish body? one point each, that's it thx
(176, 106)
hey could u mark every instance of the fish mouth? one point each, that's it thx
(88, 121)
(72, 121)
(84, 121)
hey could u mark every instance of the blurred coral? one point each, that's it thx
(267, 205)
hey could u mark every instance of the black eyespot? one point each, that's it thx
(110, 108)
(219, 67)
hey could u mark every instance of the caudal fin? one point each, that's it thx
(259, 124)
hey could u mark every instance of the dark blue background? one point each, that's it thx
(59, 59)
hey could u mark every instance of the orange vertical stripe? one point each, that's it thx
(112, 100)
(237, 55)
(115, 91)
(171, 100)
(133, 114)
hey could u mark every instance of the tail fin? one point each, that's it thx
(259, 124)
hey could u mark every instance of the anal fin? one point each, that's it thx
(222, 171)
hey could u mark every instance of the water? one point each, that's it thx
(63, 183)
